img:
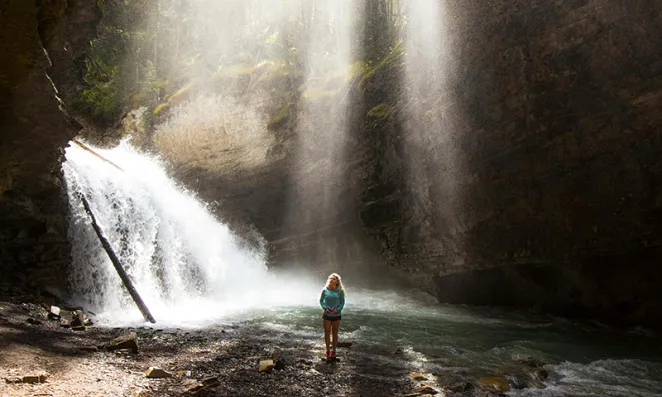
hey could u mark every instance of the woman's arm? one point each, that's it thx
(322, 299)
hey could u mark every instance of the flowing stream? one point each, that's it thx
(193, 272)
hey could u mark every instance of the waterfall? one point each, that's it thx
(187, 266)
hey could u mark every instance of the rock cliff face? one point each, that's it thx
(551, 135)
(528, 175)
(38, 44)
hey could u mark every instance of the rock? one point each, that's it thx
(534, 384)
(33, 321)
(516, 382)
(539, 374)
(418, 376)
(157, 373)
(194, 388)
(494, 383)
(88, 348)
(77, 320)
(398, 352)
(78, 327)
(125, 341)
(210, 381)
(41, 378)
(266, 365)
(425, 389)
(527, 359)
(344, 344)
(54, 313)
(186, 374)
(460, 387)
(279, 365)
(64, 323)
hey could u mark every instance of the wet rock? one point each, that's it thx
(494, 383)
(516, 382)
(534, 384)
(266, 365)
(279, 365)
(344, 344)
(398, 352)
(157, 373)
(527, 359)
(64, 323)
(125, 341)
(182, 374)
(459, 387)
(33, 321)
(417, 376)
(539, 374)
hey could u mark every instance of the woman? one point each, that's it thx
(332, 302)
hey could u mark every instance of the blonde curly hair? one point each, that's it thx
(335, 276)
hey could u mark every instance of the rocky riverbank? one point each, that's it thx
(43, 357)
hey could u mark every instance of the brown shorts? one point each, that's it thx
(331, 318)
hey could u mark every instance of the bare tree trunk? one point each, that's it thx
(118, 266)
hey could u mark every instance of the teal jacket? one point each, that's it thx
(330, 300)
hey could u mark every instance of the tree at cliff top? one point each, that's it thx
(146, 51)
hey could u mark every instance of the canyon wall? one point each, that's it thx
(531, 176)
(39, 43)
(549, 127)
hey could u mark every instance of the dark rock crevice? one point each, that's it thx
(37, 48)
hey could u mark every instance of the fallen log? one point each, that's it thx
(116, 263)
(85, 147)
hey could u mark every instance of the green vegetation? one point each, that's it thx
(281, 117)
(394, 59)
(379, 112)
(160, 53)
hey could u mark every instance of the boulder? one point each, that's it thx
(494, 383)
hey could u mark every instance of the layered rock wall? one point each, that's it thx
(545, 163)
(38, 44)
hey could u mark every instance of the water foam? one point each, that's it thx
(188, 266)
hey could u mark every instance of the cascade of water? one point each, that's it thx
(186, 265)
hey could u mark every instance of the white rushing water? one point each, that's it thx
(187, 266)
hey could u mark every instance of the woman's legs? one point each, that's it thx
(334, 327)
(327, 335)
